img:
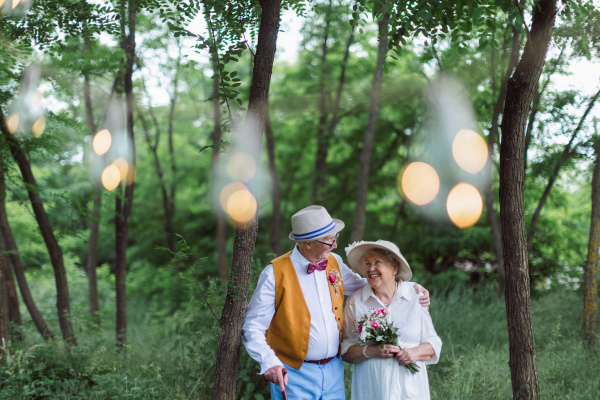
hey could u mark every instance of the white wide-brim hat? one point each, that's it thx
(313, 222)
(356, 256)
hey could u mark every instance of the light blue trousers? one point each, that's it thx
(314, 382)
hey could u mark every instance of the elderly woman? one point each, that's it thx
(381, 373)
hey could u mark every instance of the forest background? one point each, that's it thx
(116, 288)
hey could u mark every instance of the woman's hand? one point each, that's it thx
(388, 351)
(406, 356)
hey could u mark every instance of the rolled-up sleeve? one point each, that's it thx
(428, 335)
(258, 318)
(349, 332)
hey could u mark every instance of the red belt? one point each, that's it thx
(320, 362)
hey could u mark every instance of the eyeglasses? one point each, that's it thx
(337, 235)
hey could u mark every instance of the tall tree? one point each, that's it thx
(54, 250)
(567, 152)
(8, 247)
(124, 199)
(318, 188)
(488, 195)
(217, 137)
(590, 276)
(236, 302)
(14, 314)
(3, 309)
(92, 254)
(358, 224)
(275, 236)
(519, 96)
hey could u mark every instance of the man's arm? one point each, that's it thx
(258, 318)
(424, 300)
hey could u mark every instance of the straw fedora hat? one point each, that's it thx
(313, 222)
(356, 256)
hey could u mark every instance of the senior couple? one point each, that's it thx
(298, 332)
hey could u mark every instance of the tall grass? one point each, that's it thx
(172, 340)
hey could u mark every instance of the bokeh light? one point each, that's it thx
(15, 3)
(464, 205)
(131, 175)
(241, 206)
(227, 191)
(469, 150)
(38, 127)
(1, 3)
(111, 177)
(419, 183)
(241, 167)
(102, 141)
(12, 122)
(123, 167)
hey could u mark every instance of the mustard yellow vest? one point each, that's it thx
(289, 331)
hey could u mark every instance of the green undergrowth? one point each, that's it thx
(172, 339)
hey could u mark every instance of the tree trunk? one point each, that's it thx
(358, 225)
(236, 301)
(275, 237)
(164, 190)
(221, 226)
(590, 288)
(173, 181)
(320, 158)
(322, 172)
(12, 302)
(519, 95)
(488, 195)
(14, 314)
(92, 255)
(565, 155)
(54, 250)
(124, 203)
(8, 247)
(3, 308)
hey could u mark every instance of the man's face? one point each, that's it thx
(317, 251)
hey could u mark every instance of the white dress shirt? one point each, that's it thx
(324, 334)
(385, 379)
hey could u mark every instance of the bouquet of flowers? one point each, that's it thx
(376, 327)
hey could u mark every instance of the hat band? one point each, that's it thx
(314, 234)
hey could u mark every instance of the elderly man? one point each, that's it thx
(294, 320)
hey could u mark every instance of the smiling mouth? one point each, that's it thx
(374, 276)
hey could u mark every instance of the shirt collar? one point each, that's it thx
(298, 260)
(403, 290)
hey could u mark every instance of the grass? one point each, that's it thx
(172, 345)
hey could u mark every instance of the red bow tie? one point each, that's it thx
(320, 266)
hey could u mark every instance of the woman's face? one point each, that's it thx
(379, 271)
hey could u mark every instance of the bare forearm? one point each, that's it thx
(423, 352)
(357, 353)
(354, 355)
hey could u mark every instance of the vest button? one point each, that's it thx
(336, 308)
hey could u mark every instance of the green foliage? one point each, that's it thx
(170, 354)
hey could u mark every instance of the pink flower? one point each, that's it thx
(360, 328)
(332, 278)
(382, 311)
(374, 324)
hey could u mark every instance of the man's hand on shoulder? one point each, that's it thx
(423, 300)
(277, 375)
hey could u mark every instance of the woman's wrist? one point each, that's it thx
(364, 351)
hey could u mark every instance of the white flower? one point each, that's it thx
(363, 335)
(379, 338)
(353, 245)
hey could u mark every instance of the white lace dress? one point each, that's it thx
(385, 379)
